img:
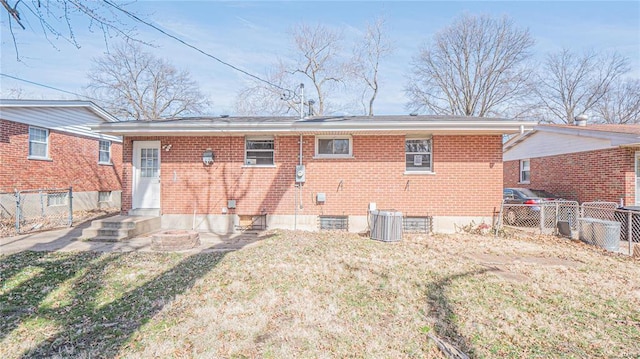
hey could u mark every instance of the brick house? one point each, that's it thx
(214, 173)
(584, 163)
(48, 144)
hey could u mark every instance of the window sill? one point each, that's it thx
(258, 166)
(332, 157)
(39, 158)
(524, 182)
(105, 163)
(423, 173)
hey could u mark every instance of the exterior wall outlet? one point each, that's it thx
(321, 198)
(231, 203)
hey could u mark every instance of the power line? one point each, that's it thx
(55, 88)
(133, 16)
(46, 86)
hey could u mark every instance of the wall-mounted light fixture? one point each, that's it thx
(208, 157)
(167, 147)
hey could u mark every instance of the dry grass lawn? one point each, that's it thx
(299, 294)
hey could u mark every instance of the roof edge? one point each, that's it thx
(106, 116)
(138, 128)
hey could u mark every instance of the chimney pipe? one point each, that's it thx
(581, 120)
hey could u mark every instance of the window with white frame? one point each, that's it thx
(38, 142)
(525, 171)
(259, 151)
(104, 196)
(57, 199)
(334, 146)
(418, 155)
(104, 152)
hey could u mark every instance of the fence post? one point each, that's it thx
(555, 225)
(541, 218)
(41, 203)
(18, 214)
(630, 230)
(70, 206)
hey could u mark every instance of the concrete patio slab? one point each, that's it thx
(68, 239)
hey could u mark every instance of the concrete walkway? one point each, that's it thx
(67, 239)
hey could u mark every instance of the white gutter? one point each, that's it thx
(296, 127)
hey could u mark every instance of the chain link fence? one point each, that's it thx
(30, 210)
(602, 224)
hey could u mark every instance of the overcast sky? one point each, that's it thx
(253, 35)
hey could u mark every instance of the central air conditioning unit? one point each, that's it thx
(385, 226)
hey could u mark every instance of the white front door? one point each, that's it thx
(637, 178)
(146, 174)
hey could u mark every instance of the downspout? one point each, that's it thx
(298, 192)
(300, 156)
(301, 183)
(298, 187)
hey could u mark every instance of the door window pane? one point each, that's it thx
(149, 162)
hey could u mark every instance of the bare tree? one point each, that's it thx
(15, 93)
(262, 99)
(318, 62)
(474, 67)
(621, 104)
(137, 85)
(366, 62)
(56, 18)
(571, 84)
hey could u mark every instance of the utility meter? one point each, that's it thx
(300, 174)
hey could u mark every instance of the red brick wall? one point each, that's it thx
(74, 162)
(468, 179)
(603, 175)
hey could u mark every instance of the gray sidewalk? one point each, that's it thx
(67, 239)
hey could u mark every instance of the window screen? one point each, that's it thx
(418, 154)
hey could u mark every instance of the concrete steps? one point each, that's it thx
(118, 228)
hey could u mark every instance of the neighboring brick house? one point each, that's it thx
(209, 173)
(595, 162)
(48, 144)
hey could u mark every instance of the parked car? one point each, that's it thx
(526, 204)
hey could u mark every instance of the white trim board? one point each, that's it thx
(543, 144)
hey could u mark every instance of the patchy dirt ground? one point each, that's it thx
(328, 294)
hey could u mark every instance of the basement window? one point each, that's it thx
(336, 223)
(252, 222)
(104, 196)
(525, 171)
(259, 151)
(334, 147)
(416, 224)
(57, 199)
